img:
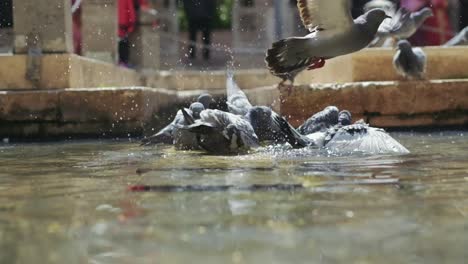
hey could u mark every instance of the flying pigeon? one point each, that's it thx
(460, 39)
(409, 62)
(333, 33)
(403, 24)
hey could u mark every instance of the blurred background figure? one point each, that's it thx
(6, 26)
(463, 10)
(127, 22)
(200, 15)
(76, 25)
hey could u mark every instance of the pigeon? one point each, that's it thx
(319, 125)
(207, 100)
(460, 39)
(403, 24)
(357, 138)
(362, 139)
(171, 134)
(220, 132)
(333, 33)
(262, 118)
(321, 121)
(409, 62)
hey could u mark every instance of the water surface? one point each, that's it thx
(69, 202)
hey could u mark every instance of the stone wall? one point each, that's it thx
(384, 104)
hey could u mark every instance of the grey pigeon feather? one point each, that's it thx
(460, 39)
(237, 101)
(409, 62)
(362, 139)
(333, 33)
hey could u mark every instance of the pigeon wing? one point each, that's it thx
(325, 14)
(237, 101)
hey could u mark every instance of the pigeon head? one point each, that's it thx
(259, 114)
(375, 17)
(423, 13)
(260, 119)
(404, 45)
(344, 118)
(196, 109)
(207, 100)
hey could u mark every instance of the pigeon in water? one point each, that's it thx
(345, 138)
(321, 121)
(409, 62)
(262, 118)
(403, 24)
(333, 33)
(460, 39)
(220, 132)
(171, 134)
(362, 138)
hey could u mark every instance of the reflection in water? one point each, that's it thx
(69, 202)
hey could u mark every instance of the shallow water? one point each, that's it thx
(69, 202)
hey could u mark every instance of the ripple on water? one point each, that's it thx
(71, 201)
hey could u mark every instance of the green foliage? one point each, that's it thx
(223, 19)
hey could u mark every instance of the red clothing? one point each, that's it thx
(127, 17)
(76, 18)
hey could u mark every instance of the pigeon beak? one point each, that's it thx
(387, 16)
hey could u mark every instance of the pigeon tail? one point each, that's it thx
(159, 138)
(295, 139)
(231, 86)
(188, 118)
(285, 60)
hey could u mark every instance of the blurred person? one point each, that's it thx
(436, 30)
(6, 26)
(463, 9)
(200, 15)
(76, 25)
(127, 21)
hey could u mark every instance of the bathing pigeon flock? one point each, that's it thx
(246, 126)
(333, 33)
(409, 62)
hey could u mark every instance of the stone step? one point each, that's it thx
(375, 64)
(383, 104)
(208, 80)
(60, 71)
(95, 112)
(90, 112)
